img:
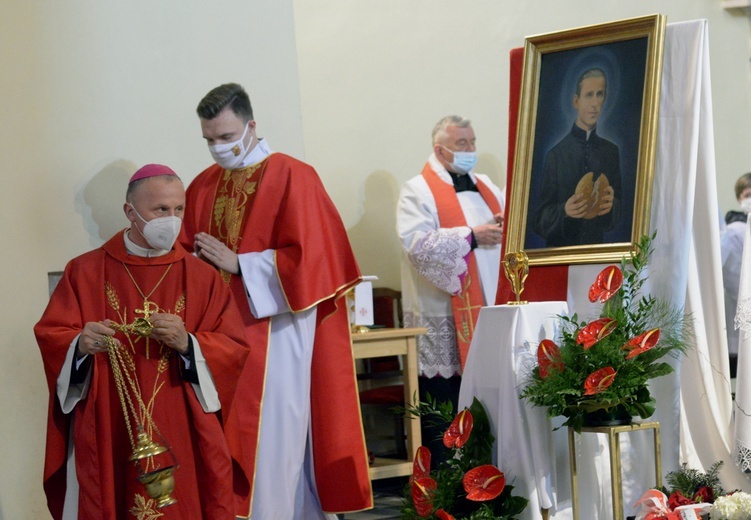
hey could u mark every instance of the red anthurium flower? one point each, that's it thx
(595, 331)
(607, 284)
(548, 358)
(458, 433)
(423, 490)
(599, 380)
(443, 515)
(642, 343)
(484, 483)
(421, 465)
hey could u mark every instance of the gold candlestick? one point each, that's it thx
(516, 268)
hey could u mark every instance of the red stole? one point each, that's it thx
(467, 303)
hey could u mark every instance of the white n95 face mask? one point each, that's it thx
(230, 155)
(160, 233)
(746, 205)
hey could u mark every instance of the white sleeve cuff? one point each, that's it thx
(262, 285)
(69, 395)
(440, 256)
(206, 388)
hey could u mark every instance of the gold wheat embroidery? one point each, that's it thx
(131, 341)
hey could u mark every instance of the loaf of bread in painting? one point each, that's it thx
(593, 191)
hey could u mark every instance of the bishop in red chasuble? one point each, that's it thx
(185, 373)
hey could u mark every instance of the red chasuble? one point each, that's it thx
(280, 204)
(467, 304)
(98, 286)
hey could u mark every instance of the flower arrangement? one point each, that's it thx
(602, 367)
(466, 486)
(736, 506)
(686, 486)
(693, 494)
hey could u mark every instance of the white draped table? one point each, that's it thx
(502, 354)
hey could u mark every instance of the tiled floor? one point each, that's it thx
(388, 501)
(386, 508)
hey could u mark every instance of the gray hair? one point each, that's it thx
(439, 130)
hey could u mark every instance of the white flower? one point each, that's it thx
(732, 507)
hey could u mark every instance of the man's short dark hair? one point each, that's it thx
(230, 94)
(743, 182)
(595, 72)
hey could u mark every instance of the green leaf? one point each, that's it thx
(562, 391)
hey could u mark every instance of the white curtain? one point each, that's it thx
(686, 264)
(694, 405)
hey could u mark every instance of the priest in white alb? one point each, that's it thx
(449, 221)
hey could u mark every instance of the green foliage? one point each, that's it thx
(450, 495)
(689, 481)
(563, 392)
(431, 412)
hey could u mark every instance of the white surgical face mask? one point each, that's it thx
(160, 233)
(463, 161)
(746, 205)
(230, 155)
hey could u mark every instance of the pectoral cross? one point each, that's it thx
(143, 326)
(149, 308)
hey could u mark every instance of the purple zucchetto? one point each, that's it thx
(151, 170)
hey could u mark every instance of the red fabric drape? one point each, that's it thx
(544, 283)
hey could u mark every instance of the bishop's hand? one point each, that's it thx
(92, 339)
(170, 330)
(216, 253)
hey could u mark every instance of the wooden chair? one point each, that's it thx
(387, 311)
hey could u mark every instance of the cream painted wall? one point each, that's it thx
(92, 90)
(376, 76)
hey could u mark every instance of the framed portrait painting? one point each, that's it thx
(586, 140)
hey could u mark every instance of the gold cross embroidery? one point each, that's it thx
(467, 320)
(149, 308)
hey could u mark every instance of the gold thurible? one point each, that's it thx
(160, 482)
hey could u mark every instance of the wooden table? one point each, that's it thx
(395, 342)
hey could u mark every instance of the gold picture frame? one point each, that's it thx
(551, 142)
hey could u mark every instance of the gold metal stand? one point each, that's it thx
(613, 433)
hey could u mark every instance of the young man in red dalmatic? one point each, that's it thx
(175, 384)
(264, 219)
